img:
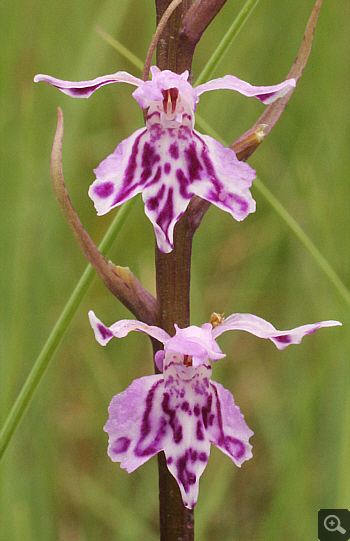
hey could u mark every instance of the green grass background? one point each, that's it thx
(57, 482)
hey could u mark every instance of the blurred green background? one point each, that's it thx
(57, 482)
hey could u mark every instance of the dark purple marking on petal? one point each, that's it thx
(185, 477)
(216, 194)
(129, 175)
(284, 339)
(167, 213)
(173, 420)
(219, 416)
(263, 97)
(121, 445)
(174, 151)
(156, 132)
(240, 202)
(185, 406)
(145, 425)
(184, 183)
(193, 454)
(104, 331)
(104, 190)
(149, 159)
(211, 419)
(153, 202)
(206, 410)
(193, 163)
(209, 166)
(155, 113)
(196, 410)
(200, 388)
(311, 331)
(184, 133)
(169, 381)
(235, 447)
(169, 460)
(167, 168)
(199, 431)
(172, 132)
(203, 457)
(178, 434)
(154, 447)
(156, 177)
(77, 92)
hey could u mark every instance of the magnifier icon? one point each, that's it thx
(332, 524)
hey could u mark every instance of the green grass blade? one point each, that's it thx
(42, 362)
(124, 51)
(291, 223)
(305, 240)
(226, 41)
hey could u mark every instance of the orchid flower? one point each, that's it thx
(182, 411)
(168, 161)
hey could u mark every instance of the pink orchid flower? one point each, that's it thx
(182, 411)
(168, 161)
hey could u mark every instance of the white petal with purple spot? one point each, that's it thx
(84, 89)
(263, 329)
(266, 94)
(121, 328)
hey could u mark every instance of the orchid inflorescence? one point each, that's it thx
(179, 410)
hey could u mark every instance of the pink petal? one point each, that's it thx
(229, 431)
(266, 94)
(261, 328)
(151, 91)
(84, 89)
(197, 342)
(119, 176)
(121, 328)
(135, 426)
(224, 181)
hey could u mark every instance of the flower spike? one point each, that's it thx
(182, 411)
(168, 162)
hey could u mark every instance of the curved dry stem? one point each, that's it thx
(274, 111)
(245, 145)
(130, 292)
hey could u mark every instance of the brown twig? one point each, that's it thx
(129, 291)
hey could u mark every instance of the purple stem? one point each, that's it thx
(173, 284)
